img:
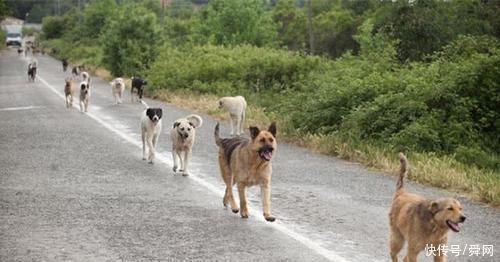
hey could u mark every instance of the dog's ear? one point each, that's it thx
(191, 124)
(254, 131)
(434, 207)
(176, 124)
(272, 129)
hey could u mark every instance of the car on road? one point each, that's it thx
(14, 39)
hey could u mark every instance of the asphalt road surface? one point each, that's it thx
(73, 187)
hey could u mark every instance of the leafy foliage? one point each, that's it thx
(129, 40)
(231, 22)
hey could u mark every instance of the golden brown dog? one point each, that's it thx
(419, 221)
(69, 92)
(247, 162)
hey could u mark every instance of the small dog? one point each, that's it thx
(65, 64)
(32, 70)
(183, 135)
(84, 96)
(19, 51)
(150, 130)
(117, 88)
(137, 83)
(68, 92)
(247, 163)
(236, 106)
(75, 71)
(420, 221)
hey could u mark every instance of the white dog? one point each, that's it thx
(236, 106)
(84, 96)
(85, 76)
(150, 130)
(183, 135)
(117, 88)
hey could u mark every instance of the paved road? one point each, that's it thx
(73, 187)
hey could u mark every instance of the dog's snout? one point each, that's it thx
(462, 218)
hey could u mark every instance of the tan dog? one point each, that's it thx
(419, 221)
(117, 89)
(69, 92)
(183, 135)
(247, 163)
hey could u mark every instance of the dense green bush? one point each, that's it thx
(221, 70)
(441, 106)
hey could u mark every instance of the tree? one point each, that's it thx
(291, 23)
(53, 26)
(333, 32)
(232, 22)
(4, 9)
(129, 40)
(95, 15)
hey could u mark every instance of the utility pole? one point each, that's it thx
(310, 27)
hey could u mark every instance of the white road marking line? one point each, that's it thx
(20, 108)
(328, 254)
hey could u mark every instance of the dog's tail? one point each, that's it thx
(403, 171)
(144, 103)
(196, 120)
(218, 140)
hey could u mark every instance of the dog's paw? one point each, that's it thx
(270, 218)
(174, 168)
(244, 216)
(235, 210)
(185, 174)
(150, 162)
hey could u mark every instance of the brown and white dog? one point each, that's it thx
(183, 135)
(69, 92)
(150, 130)
(117, 88)
(84, 96)
(247, 162)
(419, 221)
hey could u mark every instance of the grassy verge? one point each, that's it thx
(429, 169)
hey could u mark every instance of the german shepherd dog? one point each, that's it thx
(247, 162)
(420, 221)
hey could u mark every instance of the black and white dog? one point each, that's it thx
(150, 130)
(32, 70)
(137, 83)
